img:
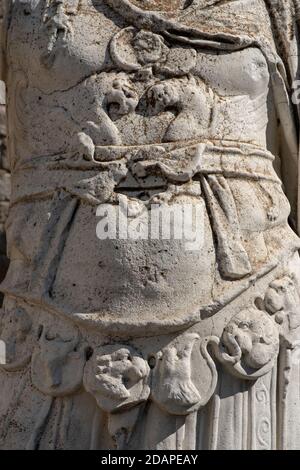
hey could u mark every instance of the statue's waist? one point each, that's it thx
(143, 167)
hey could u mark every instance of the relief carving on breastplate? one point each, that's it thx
(141, 85)
(147, 54)
(191, 100)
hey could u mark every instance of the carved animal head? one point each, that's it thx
(117, 376)
(282, 295)
(165, 95)
(123, 95)
(253, 337)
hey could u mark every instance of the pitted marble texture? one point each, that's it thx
(133, 342)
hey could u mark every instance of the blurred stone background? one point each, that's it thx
(4, 186)
(4, 180)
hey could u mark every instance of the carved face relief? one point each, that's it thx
(123, 95)
(117, 376)
(252, 337)
(281, 295)
(164, 95)
(148, 47)
(57, 24)
(57, 363)
(282, 300)
(15, 332)
(192, 101)
(133, 50)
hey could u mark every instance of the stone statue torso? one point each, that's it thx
(125, 87)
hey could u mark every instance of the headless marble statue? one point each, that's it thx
(143, 344)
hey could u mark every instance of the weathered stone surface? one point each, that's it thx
(4, 178)
(4, 185)
(125, 113)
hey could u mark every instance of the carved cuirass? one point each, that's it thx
(140, 109)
